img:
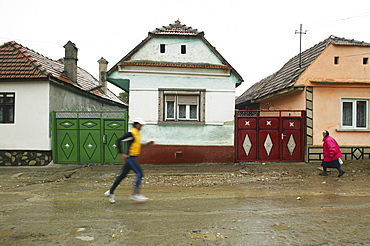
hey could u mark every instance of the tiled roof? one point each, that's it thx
(19, 62)
(291, 71)
(176, 29)
(181, 65)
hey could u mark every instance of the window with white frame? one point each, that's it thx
(355, 113)
(181, 105)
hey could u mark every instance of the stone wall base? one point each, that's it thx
(24, 158)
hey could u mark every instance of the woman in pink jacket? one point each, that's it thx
(331, 153)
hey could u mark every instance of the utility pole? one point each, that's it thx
(300, 44)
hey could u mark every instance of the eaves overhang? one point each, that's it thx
(123, 84)
(340, 81)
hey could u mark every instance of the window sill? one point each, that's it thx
(181, 123)
(352, 130)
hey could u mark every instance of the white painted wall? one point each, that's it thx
(144, 103)
(218, 84)
(196, 51)
(219, 106)
(31, 128)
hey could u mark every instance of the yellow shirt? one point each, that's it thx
(135, 147)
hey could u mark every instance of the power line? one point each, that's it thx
(338, 21)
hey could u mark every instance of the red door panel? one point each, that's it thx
(247, 144)
(268, 146)
(268, 123)
(291, 124)
(247, 123)
(291, 145)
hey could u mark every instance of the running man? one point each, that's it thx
(129, 158)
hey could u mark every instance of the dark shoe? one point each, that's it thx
(323, 174)
(341, 173)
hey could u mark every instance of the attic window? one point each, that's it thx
(183, 49)
(162, 48)
(336, 59)
(365, 60)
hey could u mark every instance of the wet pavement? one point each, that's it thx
(206, 204)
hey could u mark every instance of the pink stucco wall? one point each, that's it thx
(350, 78)
(327, 114)
(292, 101)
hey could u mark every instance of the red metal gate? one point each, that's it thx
(276, 135)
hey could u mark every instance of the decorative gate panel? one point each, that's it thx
(113, 129)
(268, 145)
(87, 137)
(66, 133)
(90, 141)
(291, 139)
(269, 135)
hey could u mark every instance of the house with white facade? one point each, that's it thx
(32, 87)
(185, 90)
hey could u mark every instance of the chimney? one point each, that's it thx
(70, 61)
(103, 65)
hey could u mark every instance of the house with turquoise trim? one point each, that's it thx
(185, 90)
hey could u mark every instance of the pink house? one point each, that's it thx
(331, 83)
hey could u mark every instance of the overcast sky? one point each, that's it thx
(255, 37)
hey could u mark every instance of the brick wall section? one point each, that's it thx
(24, 158)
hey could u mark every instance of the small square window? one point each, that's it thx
(365, 60)
(162, 48)
(183, 49)
(336, 60)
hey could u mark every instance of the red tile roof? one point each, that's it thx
(19, 62)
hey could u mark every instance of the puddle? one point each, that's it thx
(5, 233)
(281, 227)
(76, 230)
(85, 238)
(116, 236)
(17, 175)
(207, 236)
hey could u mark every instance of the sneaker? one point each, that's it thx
(341, 173)
(111, 196)
(323, 174)
(139, 198)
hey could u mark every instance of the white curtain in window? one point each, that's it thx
(361, 114)
(347, 113)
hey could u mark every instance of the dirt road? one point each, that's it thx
(206, 204)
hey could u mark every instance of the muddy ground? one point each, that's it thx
(205, 204)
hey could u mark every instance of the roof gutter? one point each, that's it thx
(95, 88)
(279, 93)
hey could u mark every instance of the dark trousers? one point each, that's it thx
(131, 164)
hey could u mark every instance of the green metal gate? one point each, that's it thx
(87, 137)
